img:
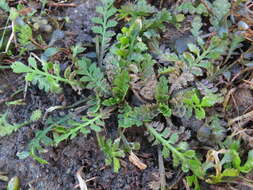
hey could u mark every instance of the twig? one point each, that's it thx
(6, 27)
(51, 109)
(11, 37)
(246, 116)
(161, 4)
(51, 4)
(161, 169)
(186, 185)
(37, 44)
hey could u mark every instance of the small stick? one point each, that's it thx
(6, 27)
(161, 4)
(161, 169)
(62, 4)
(247, 116)
(12, 36)
(186, 185)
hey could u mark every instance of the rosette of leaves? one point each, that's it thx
(195, 62)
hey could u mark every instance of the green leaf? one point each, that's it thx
(77, 49)
(111, 23)
(196, 26)
(196, 167)
(5, 127)
(136, 116)
(230, 172)
(190, 153)
(36, 115)
(213, 55)
(103, 25)
(173, 138)
(97, 29)
(194, 49)
(19, 67)
(97, 20)
(4, 5)
(248, 166)
(193, 180)
(121, 85)
(220, 9)
(111, 150)
(162, 90)
(197, 71)
(49, 52)
(195, 99)
(180, 155)
(180, 17)
(96, 128)
(200, 113)
(111, 101)
(165, 110)
(93, 77)
(171, 57)
(208, 101)
(47, 79)
(116, 165)
(35, 146)
(189, 57)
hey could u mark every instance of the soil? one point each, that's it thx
(68, 157)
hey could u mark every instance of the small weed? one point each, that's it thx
(7, 128)
(112, 151)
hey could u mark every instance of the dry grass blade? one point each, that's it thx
(3, 177)
(136, 161)
(82, 183)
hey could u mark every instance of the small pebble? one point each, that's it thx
(242, 25)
